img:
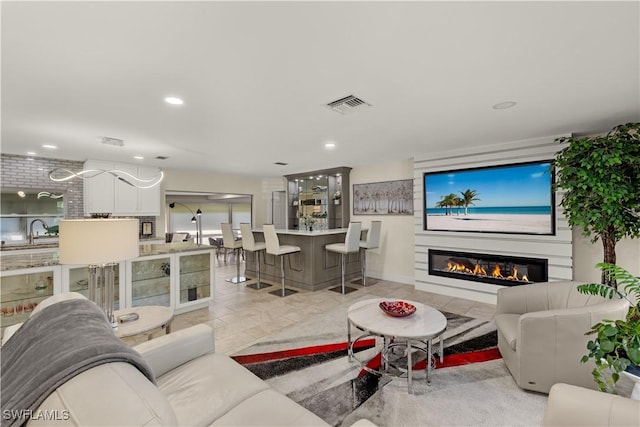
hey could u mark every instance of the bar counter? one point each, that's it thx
(312, 268)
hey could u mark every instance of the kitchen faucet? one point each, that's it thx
(44, 224)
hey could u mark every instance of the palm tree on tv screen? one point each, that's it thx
(468, 197)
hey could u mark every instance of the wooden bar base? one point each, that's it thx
(313, 268)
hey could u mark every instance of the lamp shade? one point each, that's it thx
(98, 241)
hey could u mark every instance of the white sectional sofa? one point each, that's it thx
(195, 386)
(569, 405)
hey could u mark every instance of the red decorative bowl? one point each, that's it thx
(398, 308)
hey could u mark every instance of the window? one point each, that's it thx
(216, 209)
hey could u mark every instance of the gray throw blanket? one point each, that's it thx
(51, 347)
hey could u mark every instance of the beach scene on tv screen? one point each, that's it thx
(505, 199)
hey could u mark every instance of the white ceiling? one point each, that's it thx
(255, 78)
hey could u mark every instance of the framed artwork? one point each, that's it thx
(147, 228)
(383, 198)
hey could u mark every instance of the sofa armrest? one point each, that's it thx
(569, 405)
(9, 331)
(172, 350)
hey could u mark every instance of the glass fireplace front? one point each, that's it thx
(488, 268)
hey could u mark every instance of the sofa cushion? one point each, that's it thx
(269, 408)
(207, 388)
(507, 324)
(114, 394)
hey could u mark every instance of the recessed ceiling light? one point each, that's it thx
(49, 146)
(138, 157)
(21, 194)
(31, 153)
(504, 105)
(173, 100)
(330, 145)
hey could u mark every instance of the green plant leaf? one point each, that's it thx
(634, 355)
(610, 331)
(607, 346)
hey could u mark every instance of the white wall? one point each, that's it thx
(393, 260)
(586, 255)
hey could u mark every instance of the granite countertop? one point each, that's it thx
(16, 261)
(306, 232)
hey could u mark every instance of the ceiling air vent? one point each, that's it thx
(112, 141)
(161, 157)
(348, 104)
(281, 163)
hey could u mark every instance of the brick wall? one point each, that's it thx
(20, 172)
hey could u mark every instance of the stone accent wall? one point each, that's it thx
(21, 172)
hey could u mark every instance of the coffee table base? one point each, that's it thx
(408, 346)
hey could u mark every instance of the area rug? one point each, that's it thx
(472, 387)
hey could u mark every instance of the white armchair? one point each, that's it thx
(541, 332)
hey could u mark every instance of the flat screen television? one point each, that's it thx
(512, 199)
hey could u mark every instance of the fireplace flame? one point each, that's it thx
(496, 272)
(454, 266)
(478, 270)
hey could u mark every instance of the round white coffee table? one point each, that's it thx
(151, 317)
(415, 332)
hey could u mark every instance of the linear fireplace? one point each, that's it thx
(488, 268)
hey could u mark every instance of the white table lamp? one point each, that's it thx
(101, 244)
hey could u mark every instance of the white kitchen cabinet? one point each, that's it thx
(99, 191)
(125, 194)
(108, 193)
(149, 199)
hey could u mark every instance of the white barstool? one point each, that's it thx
(250, 244)
(372, 242)
(229, 242)
(351, 245)
(275, 248)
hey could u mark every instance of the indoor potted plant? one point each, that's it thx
(600, 177)
(616, 345)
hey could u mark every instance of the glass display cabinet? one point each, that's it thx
(22, 290)
(150, 281)
(180, 280)
(76, 279)
(318, 199)
(195, 277)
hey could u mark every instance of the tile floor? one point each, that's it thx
(242, 316)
